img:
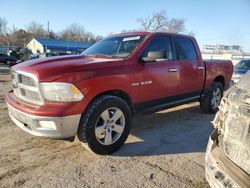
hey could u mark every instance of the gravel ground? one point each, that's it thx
(164, 149)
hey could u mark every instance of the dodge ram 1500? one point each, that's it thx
(94, 95)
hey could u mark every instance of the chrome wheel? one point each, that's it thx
(110, 126)
(216, 98)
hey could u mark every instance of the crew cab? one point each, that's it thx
(94, 95)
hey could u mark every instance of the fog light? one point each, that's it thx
(47, 125)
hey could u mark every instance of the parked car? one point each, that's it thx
(240, 69)
(95, 95)
(6, 59)
(24, 53)
(36, 56)
(41, 55)
(228, 149)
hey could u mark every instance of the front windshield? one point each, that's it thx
(244, 64)
(117, 46)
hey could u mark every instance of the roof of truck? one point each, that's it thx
(148, 33)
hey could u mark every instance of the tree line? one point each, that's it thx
(14, 36)
(20, 36)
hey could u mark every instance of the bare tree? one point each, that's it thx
(20, 37)
(159, 21)
(52, 35)
(77, 32)
(3, 26)
(35, 29)
(97, 38)
(73, 32)
(176, 25)
(4, 35)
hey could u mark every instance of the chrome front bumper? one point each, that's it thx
(220, 171)
(48, 127)
(214, 175)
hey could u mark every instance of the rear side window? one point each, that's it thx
(160, 43)
(185, 49)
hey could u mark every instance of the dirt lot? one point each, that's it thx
(165, 149)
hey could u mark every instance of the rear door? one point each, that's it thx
(159, 79)
(192, 69)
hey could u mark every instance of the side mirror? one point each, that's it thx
(154, 56)
(147, 59)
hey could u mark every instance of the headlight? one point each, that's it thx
(57, 91)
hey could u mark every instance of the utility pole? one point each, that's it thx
(48, 29)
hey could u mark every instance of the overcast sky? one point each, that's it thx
(212, 21)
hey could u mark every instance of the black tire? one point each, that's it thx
(86, 131)
(206, 102)
(8, 61)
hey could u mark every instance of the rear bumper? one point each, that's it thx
(45, 126)
(220, 170)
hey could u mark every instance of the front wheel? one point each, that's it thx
(211, 101)
(105, 125)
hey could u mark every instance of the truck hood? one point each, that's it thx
(53, 68)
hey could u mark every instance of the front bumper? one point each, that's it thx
(45, 126)
(220, 170)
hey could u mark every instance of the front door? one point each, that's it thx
(160, 78)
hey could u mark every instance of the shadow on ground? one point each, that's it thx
(184, 130)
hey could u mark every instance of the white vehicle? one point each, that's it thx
(228, 149)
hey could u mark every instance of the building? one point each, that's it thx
(41, 45)
(224, 52)
(233, 49)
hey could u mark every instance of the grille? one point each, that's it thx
(30, 94)
(26, 87)
(27, 80)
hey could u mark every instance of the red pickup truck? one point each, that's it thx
(94, 95)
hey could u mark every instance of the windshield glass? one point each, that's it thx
(117, 46)
(243, 64)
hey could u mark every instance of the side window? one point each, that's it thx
(185, 49)
(160, 43)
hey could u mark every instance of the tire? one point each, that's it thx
(210, 103)
(7, 62)
(96, 124)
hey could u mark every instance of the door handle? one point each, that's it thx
(200, 68)
(172, 70)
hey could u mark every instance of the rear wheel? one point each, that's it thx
(211, 101)
(105, 125)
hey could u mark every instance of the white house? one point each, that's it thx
(41, 45)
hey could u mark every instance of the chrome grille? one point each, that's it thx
(30, 94)
(27, 80)
(26, 87)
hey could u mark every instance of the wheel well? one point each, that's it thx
(120, 94)
(220, 79)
